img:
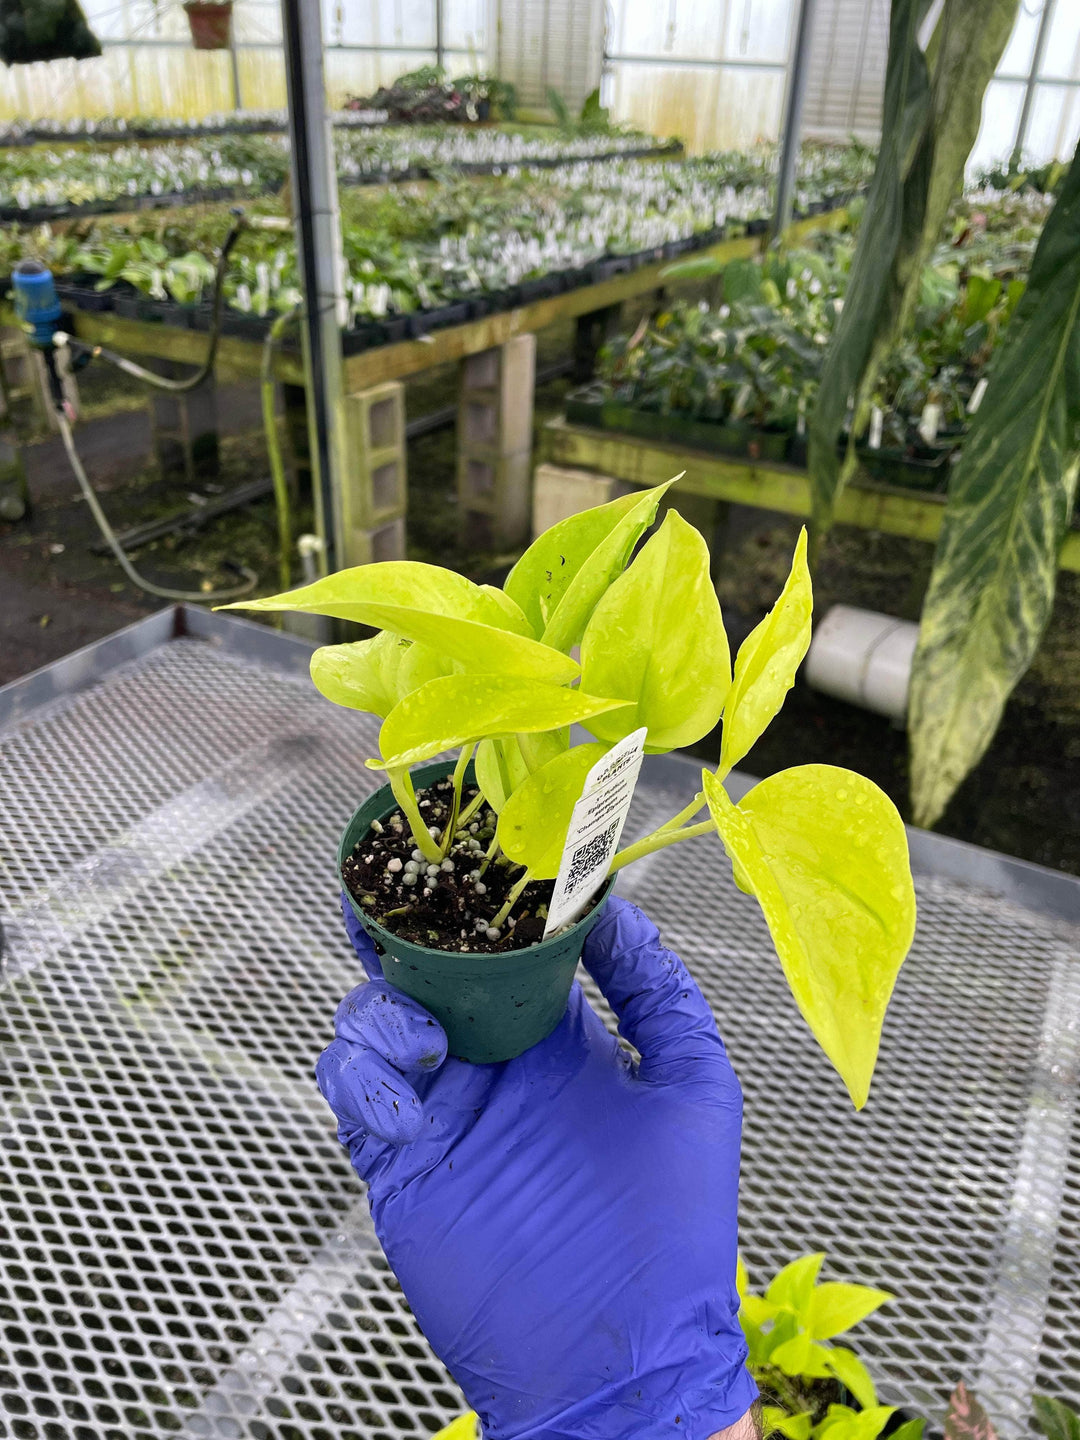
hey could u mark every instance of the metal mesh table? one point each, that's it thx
(183, 1246)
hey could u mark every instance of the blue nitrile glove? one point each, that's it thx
(563, 1224)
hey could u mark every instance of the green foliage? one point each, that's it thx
(33, 30)
(825, 853)
(788, 1332)
(458, 665)
(1055, 1419)
(766, 664)
(1010, 499)
(931, 115)
(656, 638)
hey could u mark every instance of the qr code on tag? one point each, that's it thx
(588, 857)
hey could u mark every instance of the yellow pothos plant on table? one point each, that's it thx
(490, 673)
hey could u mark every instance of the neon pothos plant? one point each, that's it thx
(487, 672)
(790, 1332)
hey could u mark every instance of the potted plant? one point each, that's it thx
(450, 868)
(210, 22)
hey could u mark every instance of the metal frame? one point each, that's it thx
(1033, 77)
(171, 798)
(791, 133)
(319, 249)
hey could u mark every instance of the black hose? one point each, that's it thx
(162, 382)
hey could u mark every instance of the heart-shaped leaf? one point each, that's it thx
(457, 710)
(363, 675)
(825, 852)
(766, 663)
(564, 572)
(657, 638)
(475, 625)
(834, 1308)
(536, 817)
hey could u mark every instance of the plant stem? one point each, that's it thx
(657, 841)
(405, 795)
(684, 816)
(511, 900)
(459, 779)
(470, 809)
(490, 853)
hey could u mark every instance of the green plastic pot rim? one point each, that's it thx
(534, 954)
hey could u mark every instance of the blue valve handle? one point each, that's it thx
(562, 1224)
(36, 302)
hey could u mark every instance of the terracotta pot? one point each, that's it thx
(210, 23)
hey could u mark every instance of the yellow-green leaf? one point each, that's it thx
(500, 769)
(792, 1286)
(795, 1427)
(800, 1356)
(825, 852)
(436, 607)
(834, 1308)
(766, 663)
(850, 1371)
(363, 675)
(843, 1423)
(758, 1310)
(564, 572)
(742, 1279)
(419, 664)
(457, 710)
(534, 821)
(657, 638)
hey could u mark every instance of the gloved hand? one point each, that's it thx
(563, 1224)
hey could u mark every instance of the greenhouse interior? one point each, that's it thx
(451, 453)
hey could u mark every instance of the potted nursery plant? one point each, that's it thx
(450, 865)
(210, 22)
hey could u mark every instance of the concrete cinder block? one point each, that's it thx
(559, 492)
(185, 428)
(375, 440)
(495, 419)
(493, 496)
(381, 542)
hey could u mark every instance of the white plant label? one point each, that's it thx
(877, 419)
(930, 422)
(977, 396)
(595, 828)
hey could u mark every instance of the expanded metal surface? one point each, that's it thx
(183, 1247)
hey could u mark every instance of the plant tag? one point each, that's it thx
(595, 827)
(877, 419)
(977, 396)
(928, 424)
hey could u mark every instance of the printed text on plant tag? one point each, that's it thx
(595, 827)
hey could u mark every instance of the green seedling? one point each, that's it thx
(490, 673)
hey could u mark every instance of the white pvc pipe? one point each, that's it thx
(865, 658)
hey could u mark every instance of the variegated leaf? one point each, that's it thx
(1010, 499)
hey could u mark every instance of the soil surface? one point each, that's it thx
(449, 906)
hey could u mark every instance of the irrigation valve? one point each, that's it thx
(38, 309)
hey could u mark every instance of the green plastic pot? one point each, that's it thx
(492, 1007)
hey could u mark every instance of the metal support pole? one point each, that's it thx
(438, 34)
(793, 107)
(318, 239)
(1033, 75)
(234, 63)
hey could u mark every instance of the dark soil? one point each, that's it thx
(453, 909)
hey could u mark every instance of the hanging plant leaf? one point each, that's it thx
(932, 113)
(1010, 499)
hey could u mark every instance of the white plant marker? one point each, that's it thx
(595, 828)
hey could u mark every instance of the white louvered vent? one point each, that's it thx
(549, 44)
(848, 52)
